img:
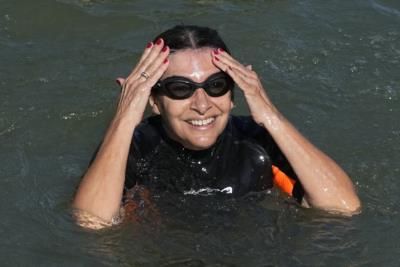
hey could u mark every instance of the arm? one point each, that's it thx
(100, 191)
(325, 184)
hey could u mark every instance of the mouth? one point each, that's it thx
(199, 123)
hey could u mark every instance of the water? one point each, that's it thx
(331, 67)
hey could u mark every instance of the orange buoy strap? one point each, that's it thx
(282, 181)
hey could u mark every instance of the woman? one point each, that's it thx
(193, 145)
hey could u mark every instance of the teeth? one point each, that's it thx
(201, 122)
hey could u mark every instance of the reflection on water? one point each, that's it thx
(330, 67)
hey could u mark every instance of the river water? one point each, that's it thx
(332, 67)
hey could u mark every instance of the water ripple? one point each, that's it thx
(385, 9)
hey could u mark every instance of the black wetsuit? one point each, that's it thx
(239, 162)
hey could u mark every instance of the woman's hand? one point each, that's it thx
(136, 88)
(100, 191)
(326, 185)
(249, 82)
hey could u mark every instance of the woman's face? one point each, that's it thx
(195, 122)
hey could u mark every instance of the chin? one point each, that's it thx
(200, 144)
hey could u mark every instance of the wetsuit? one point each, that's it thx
(244, 158)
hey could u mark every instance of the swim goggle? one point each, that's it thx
(177, 87)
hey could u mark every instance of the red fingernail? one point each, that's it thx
(150, 44)
(215, 51)
(164, 48)
(216, 58)
(159, 40)
(221, 50)
(165, 61)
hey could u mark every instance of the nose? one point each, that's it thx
(200, 101)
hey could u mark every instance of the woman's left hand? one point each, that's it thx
(326, 185)
(260, 105)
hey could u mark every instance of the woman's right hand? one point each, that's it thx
(100, 191)
(136, 88)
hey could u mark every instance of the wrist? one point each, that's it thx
(271, 119)
(120, 129)
(125, 121)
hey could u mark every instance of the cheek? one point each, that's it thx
(171, 110)
(225, 104)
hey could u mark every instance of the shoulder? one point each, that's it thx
(148, 134)
(150, 125)
(246, 127)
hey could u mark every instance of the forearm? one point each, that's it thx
(326, 185)
(101, 188)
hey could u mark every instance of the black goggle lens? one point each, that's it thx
(180, 88)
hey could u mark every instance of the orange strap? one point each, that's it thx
(282, 181)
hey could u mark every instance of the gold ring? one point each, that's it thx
(145, 75)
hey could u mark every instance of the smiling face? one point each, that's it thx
(195, 122)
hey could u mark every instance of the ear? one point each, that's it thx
(232, 102)
(154, 105)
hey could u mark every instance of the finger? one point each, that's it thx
(228, 69)
(156, 75)
(237, 77)
(140, 79)
(146, 51)
(245, 83)
(151, 48)
(248, 86)
(233, 63)
(228, 59)
(145, 54)
(154, 53)
(162, 57)
(236, 65)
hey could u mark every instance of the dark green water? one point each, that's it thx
(332, 67)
